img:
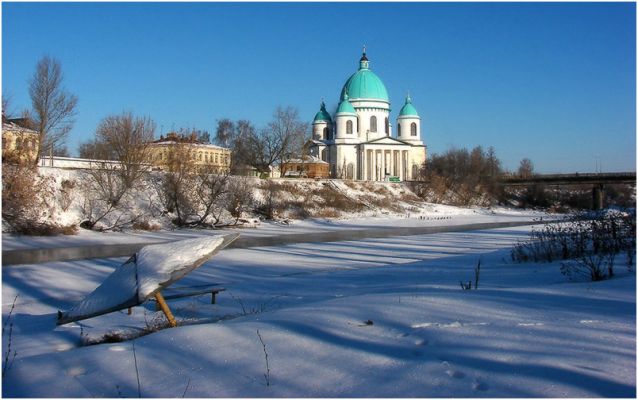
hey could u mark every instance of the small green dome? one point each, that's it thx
(345, 106)
(408, 109)
(322, 115)
(365, 84)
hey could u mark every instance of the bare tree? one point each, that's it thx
(53, 106)
(126, 138)
(6, 105)
(239, 197)
(211, 187)
(238, 136)
(284, 137)
(526, 168)
(176, 186)
(122, 138)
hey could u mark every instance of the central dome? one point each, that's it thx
(364, 84)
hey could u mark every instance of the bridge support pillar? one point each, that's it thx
(597, 197)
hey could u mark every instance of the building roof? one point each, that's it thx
(365, 84)
(322, 115)
(12, 126)
(345, 107)
(173, 138)
(408, 109)
(306, 160)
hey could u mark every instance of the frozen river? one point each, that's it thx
(41, 255)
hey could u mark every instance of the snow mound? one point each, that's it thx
(150, 269)
(159, 265)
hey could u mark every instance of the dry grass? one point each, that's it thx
(146, 226)
(326, 213)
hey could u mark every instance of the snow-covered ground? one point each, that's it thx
(367, 318)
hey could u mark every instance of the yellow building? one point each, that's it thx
(19, 143)
(202, 154)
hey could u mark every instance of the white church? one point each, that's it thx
(358, 141)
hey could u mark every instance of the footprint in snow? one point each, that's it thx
(480, 386)
(455, 374)
(451, 372)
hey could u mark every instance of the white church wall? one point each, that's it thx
(341, 122)
(406, 133)
(365, 132)
(346, 166)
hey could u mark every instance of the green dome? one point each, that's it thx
(408, 109)
(365, 84)
(345, 106)
(322, 115)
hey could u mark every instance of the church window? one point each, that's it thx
(387, 127)
(413, 129)
(373, 124)
(399, 129)
(200, 156)
(18, 144)
(206, 157)
(4, 142)
(215, 158)
(349, 127)
(326, 133)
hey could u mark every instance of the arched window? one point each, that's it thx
(373, 124)
(200, 156)
(399, 129)
(18, 144)
(387, 126)
(326, 133)
(349, 127)
(413, 129)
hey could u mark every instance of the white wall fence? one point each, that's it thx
(79, 163)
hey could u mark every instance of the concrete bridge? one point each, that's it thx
(597, 180)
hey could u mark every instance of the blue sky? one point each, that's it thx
(555, 82)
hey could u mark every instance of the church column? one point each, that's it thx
(374, 165)
(383, 164)
(404, 164)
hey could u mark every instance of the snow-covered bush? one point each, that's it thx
(240, 197)
(590, 243)
(112, 203)
(28, 202)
